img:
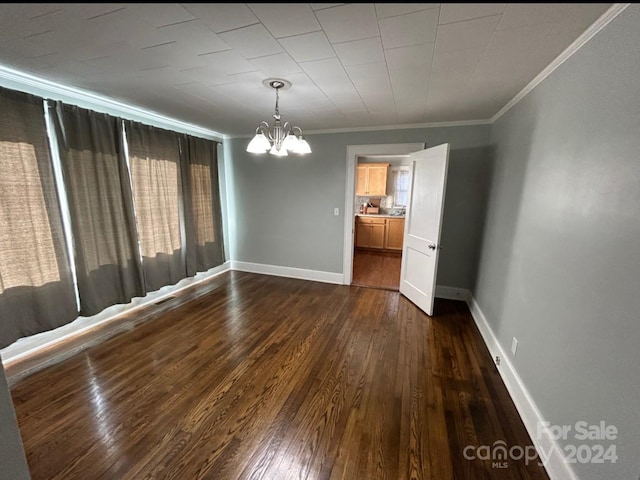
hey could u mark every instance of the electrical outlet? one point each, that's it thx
(514, 346)
(497, 360)
(336, 211)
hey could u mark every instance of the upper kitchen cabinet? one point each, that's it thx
(371, 179)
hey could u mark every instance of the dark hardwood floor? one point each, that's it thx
(376, 269)
(266, 377)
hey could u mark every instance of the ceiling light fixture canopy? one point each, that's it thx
(282, 138)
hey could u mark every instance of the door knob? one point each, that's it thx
(432, 246)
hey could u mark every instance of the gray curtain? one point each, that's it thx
(203, 216)
(101, 207)
(154, 158)
(36, 287)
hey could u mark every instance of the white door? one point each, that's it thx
(423, 224)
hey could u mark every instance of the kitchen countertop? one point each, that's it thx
(379, 215)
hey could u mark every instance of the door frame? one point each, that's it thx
(353, 152)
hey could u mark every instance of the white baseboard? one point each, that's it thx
(290, 272)
(453, 293)
(555, 463)
(450, 293)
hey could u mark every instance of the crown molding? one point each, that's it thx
(408, 126)
(25, 82)
(604, 20)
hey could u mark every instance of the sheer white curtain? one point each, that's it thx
(401, 187)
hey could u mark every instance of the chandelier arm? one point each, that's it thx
(265, 130)
(294, 128)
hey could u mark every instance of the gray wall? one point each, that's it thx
(560, 260)
(282, 208)
(13, 464)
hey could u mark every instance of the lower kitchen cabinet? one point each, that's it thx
(370, 232)
(379, 233)
(376, 239)
(363, 234)
(394, 234)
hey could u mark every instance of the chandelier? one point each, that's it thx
(282, 138)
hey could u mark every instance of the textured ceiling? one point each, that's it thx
(351, 65)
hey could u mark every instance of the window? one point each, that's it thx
(26, 242)
(156, 193)
(136, 223)
(202, 204)
(154, 156)
(400, 187)
(36, 287)
(202, 200)
(97, 186)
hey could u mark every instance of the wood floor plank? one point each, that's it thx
(259, 377)
(379, 269)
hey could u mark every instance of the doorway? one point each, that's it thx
(374, 213)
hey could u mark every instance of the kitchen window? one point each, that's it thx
(400, 187)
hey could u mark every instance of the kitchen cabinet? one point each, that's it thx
(370, 232)
(371, 179)
(379, 233)
(376, 238)
(362, 174)
(394, 234)
(363, 235)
